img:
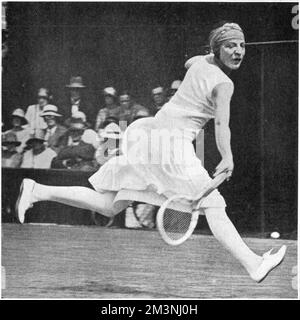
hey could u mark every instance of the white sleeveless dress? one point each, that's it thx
(158, 158)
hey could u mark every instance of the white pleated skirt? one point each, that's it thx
(157, 163)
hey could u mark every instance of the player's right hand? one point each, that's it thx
(226, 165)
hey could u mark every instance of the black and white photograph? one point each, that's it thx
(149, 152)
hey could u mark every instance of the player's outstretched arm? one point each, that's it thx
(222, 94)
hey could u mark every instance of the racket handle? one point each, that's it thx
(214, 184)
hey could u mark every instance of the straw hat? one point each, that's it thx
(78, 121)
(76, 82)
(50, 110)
(20, 114)
(124, 97)
(110, 91)
(157, 90)
(10, 138)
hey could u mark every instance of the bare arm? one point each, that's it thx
(221, 96)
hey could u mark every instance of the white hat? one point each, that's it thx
(176, 84)
(141, 114)
(124, 97)
(79, 115)
(76, 82)
(44, 92)
(50, 110)
(112, 131)
(110, 91)
(157, 90)
(21, 114)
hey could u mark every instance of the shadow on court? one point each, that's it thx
(50, 261)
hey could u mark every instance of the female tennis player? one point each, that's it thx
(151, 171)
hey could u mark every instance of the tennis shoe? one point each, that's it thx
(24, 200)
(270, 261)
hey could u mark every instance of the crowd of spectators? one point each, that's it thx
(83, 138)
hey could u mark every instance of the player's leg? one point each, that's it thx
(225, 232)
(80, 197)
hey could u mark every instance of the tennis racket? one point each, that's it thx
(177, 218)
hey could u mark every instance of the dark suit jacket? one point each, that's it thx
(58, 140)
(76, 156)
(86, 107)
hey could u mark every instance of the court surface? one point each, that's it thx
(50, 261)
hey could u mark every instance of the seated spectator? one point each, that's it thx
(55, 133)
(11, 158)
(110, 144)
(110, 109)
(105, 124)
(77, 100)
(159, 99)
(33, 113)
(77, 155)
(129, 108)
(38, 156)
(173, 89)
(19, 128)
(110, 120)
(89, 135)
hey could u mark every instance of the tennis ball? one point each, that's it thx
(275, 235)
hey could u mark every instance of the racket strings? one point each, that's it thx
(176, 223)
(176, 226)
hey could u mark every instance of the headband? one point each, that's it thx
(227, 32)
